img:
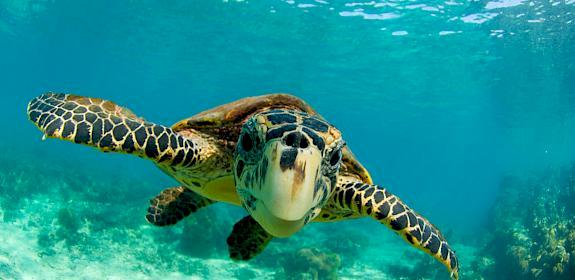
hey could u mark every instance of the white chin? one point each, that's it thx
(274, 225)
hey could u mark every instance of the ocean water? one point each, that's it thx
(464, 109)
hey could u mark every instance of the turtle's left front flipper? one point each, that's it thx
(247, 240)
(109, 127)
(375, 201)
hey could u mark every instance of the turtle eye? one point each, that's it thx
(335, 157)
(247, 142)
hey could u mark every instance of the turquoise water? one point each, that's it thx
(440, 100)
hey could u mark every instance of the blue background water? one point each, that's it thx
(438, 99)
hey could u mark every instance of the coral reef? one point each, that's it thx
(312, 263)
(533, 225)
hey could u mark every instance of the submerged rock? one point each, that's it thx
(533, 225)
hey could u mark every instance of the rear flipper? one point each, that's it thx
(247, 240)
(174, 204)
(109, 127)
(375, 201)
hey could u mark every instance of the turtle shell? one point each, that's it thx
(225, 123)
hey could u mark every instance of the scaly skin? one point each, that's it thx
(109, 127)
(366, 200)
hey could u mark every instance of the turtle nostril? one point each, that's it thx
(290, 139)
(303, 143)
(296, 140)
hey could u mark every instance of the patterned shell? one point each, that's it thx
(225, 122)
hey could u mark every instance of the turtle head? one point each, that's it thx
(285, 168)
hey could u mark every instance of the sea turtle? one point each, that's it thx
(271, 154)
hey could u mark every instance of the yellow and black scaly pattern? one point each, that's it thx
(174, 204)
(354, 198)
(109, 127)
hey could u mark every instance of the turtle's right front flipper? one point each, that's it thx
(109, 127)
(174, 204)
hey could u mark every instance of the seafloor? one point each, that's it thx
(59, 221)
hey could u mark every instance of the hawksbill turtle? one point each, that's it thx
(272, 154)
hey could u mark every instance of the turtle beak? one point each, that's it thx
(287, 193)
